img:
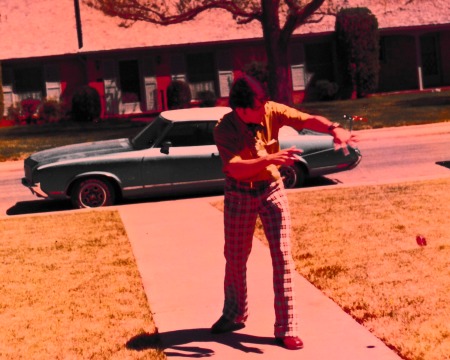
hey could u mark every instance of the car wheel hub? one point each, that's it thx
(93, 196)
(289, 177)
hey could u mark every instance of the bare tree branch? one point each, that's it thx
(298, 15)
(278, 18)
(164, 14)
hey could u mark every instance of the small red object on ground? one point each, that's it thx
(421, 241)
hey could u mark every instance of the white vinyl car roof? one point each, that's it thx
(212, 113)
(198, 114)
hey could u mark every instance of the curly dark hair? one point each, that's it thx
(244, 91)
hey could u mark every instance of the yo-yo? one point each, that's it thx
(421, 241)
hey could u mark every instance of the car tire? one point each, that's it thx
(293, 176)
(91, 193)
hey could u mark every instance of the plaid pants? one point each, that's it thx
(243, 203)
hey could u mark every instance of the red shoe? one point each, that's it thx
(290, 342)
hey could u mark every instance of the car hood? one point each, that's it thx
(80, 151)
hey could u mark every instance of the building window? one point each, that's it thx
(129, 81)
(29, 83)
(200, 73)
(319, 62)
(429, 46)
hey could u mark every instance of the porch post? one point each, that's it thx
(419, 61)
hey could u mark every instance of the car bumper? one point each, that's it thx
(358, 160)
(34, 188)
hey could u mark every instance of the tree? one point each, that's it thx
(278, 18)
(358, 45)
(268, 12)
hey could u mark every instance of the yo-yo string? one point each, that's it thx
(420, 238)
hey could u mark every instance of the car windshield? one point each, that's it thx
(150, 134)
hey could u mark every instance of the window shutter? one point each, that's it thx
(112, 92)
(225, 72)
(52, 82)
(8, 95)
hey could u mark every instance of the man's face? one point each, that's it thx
(253, 115)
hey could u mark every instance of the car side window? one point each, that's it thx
(150, 134)
(190, 134)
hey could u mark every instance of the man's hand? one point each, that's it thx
(343, 138)
(286, 156)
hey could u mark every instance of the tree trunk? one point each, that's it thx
(280, 88)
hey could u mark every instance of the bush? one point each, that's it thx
(326, 90)
(178, 95)
(207, 98)
(50, 111)
(258, 70)
(30, 110)
(86, 104)
(14, 113)
(358, 47)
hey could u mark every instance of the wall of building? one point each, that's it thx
(311, 59)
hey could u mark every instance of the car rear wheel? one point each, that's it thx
(293, 176)
(91, 193)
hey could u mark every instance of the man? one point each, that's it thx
(247, 139)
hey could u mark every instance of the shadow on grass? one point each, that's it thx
(38, 206)
(46, 205)
(185, 342)
(425, 101)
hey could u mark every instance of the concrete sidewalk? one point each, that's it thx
(178, 246)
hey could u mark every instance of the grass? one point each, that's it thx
(358, 245)
(70, 289)
(17, 142)
(388, 111)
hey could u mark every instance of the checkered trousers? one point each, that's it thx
(243, 203)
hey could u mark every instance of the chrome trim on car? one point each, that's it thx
(194, 183)
(34, 188)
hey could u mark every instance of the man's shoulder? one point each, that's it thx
(226, 122)
(276, 106)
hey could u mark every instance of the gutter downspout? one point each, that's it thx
(78, 23)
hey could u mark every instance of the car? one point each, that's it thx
(174, 153)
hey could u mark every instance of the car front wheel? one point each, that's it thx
(293, 176)
(91, 193)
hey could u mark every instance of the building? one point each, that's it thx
(49, 48)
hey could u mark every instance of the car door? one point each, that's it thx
(186, 156)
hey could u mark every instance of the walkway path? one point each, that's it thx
(178, 246)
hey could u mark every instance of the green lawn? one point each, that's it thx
(388, 110)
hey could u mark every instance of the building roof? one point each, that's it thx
(32, 28)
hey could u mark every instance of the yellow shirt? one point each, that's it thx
(235, 140)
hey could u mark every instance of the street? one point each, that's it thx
(389, 155)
